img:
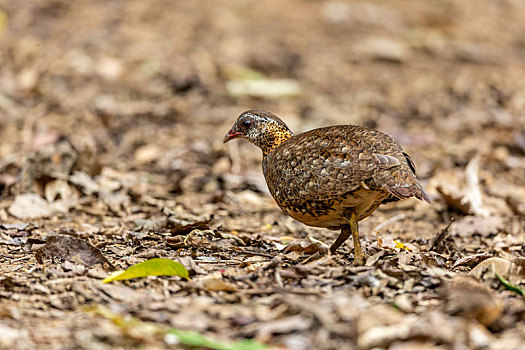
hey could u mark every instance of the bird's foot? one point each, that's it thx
(359, 259)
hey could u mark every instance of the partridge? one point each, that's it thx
(330, 177)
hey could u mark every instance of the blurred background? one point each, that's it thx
(138, 83)
(112, 110)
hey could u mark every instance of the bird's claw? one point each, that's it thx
(359, 260)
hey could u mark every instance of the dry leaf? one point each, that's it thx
(73, 249)
(30, 206)
(466, 297)
(215, 284)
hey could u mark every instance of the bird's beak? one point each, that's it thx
(231, 135)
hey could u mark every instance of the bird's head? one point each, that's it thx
(263, 129)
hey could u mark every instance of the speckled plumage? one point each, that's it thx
(329, 169)
(322, 176)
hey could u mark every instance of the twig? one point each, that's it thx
(388, 222)
(252, 253)
(514, 205)
(279, 290)
(275, 263)
(440, 237)
(229, 261)
(473, 193)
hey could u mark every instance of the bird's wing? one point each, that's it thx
(329, 164)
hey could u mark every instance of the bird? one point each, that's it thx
(330, 177)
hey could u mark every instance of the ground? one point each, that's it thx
(112, 115)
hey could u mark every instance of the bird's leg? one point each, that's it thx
(343, 236)
(359, 257)
(353, 229)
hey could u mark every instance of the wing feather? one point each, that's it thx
(329, 162)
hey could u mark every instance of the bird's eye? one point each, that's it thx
(246, 123)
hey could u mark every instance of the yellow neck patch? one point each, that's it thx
(272, 137)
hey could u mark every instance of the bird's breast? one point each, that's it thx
(334, 212)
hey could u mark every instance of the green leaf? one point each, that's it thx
(509, 286)
(152, 267)
(189, 338)
(196, 339)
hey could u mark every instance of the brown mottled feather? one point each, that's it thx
(318, 175)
